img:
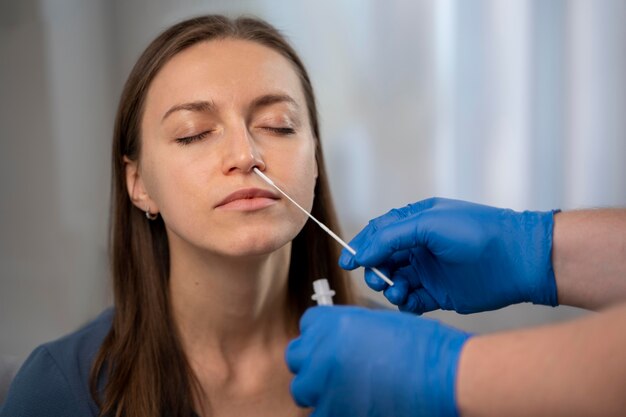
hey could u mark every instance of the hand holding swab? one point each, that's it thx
(322, 225)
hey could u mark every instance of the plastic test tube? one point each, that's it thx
(322, 292)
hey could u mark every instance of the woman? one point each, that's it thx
(211, 268)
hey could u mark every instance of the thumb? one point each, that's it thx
(405, 234)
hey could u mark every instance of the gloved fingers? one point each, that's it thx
(399, 259)
(408, 263)
(312, 315)
(405, 279)
(314, 378)
(395, 218)
(419, 301)
(348, 261)
(295, 355)
(306, 349)
(374, 281)
(302, 392)
(405, 234)
(398, 293)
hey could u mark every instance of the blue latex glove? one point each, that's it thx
(455, 255)
(356, 362)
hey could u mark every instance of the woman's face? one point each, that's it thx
(213, 112)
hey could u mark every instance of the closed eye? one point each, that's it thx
(189, 139)
(280, 130)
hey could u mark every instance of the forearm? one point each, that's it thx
(589, 257)
(571, 369)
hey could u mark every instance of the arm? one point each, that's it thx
(589, 257)
(467, 257)
(364, 363)
(572, 369)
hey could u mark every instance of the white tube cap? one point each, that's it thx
(322, 292)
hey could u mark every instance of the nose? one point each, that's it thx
(241, 153)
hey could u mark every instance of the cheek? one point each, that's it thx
(154, 180)
(305, 178)
(170, 183)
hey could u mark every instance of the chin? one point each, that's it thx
(253, 250)
(256, 245)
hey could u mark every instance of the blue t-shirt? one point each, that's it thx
(54, 380)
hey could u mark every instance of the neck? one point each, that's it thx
(230, 305)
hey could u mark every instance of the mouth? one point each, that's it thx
(248, 199)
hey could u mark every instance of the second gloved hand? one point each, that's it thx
(455, 255)
(356, 362)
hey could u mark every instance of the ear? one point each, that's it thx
(136, 188)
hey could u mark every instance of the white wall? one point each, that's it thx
(517, 103)
(56, 115)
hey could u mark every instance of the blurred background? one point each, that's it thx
(515, 103)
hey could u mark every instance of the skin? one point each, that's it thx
(229, 264)
(590, 243)
(576, 368)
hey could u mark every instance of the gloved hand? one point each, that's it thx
(455, 255)
(351, 361)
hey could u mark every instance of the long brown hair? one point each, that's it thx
(141, 360)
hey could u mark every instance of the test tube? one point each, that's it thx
(322, 292)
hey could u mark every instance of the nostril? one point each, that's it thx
(258, 164)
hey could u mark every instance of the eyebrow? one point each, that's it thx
(196, 106)
(269, 99)
(209, 106)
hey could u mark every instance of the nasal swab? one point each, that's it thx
(326, 229)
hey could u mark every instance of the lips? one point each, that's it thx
(248, 194)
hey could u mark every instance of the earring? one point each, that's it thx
(149, 215)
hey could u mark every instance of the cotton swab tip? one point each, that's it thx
(262, 175)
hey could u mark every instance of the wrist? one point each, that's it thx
(468, 389)
(443, 373)
(537, 251)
